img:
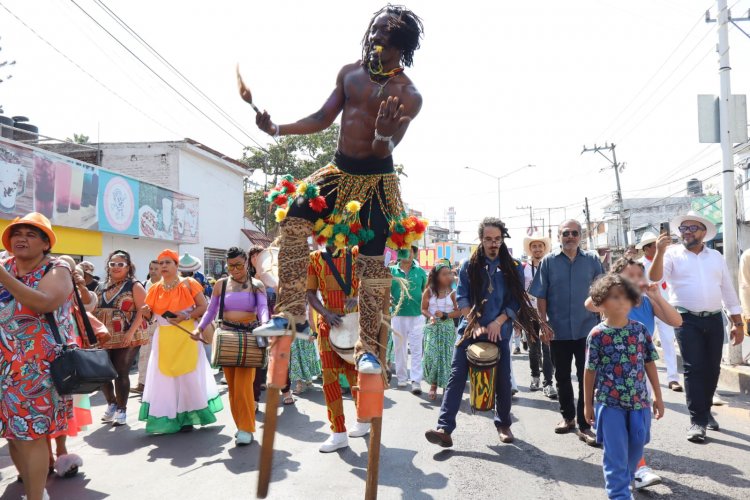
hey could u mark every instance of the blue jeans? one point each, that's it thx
(623, 434)
(457, 382)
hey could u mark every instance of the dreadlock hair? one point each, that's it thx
(405, 30)
(527, 314)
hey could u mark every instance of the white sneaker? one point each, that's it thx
(416, 388)
(335, 441)
(360, 429)
(645, 477)
(403, 384)
(109, 414)
(120, 418)
(243, 438)
(717, 401)
(45, 496)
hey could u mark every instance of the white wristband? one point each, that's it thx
(277, 132)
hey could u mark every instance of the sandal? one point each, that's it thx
(432, 395)
(289, 400)
(300, 387)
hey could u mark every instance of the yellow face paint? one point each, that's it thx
(378, 49)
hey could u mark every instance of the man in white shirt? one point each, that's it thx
(699, 286)
(536, 247)
(666, 332)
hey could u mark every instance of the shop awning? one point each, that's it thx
(256, 237)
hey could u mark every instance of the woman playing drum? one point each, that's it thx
(244, 305)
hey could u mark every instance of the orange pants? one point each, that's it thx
(241, 400)
(332, 366)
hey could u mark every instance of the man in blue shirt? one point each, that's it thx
(561, 286)
(491, 296)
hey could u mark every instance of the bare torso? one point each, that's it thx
(362, 99)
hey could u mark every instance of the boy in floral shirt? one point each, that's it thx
(620, 357)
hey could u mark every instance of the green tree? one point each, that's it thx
(298, 155)
(78, 138)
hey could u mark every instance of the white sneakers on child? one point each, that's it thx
(645, 477)
(109, 413)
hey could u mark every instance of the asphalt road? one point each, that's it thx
(125, 463)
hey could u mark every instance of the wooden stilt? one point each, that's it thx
(266, 450)
(278, 368)
(373, 459)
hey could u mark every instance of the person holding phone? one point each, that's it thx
(180, 390)
(700, 289)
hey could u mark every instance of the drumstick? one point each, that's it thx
(247, 96)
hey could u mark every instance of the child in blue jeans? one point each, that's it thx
(619, 365)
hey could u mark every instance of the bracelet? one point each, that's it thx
(382, 138)
(277, 133)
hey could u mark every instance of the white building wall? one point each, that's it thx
(220, 191)
(156, 162)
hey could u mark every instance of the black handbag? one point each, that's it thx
(76, 370)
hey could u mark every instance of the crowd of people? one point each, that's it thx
(560, 302)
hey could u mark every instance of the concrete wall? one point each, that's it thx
(219, 189)
(157, 163)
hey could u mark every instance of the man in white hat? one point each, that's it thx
(700, 286)
(536, 247)
(666, 332)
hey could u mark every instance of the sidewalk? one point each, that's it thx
(731, 378)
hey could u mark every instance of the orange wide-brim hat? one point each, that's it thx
(34, 219)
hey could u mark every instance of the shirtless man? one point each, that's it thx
(378, 102)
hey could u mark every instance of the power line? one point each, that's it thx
(185, 79)
(158, 75)
(648, 82)
(83, 70)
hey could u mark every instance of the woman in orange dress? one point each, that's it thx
(180, 390)
(32, 284)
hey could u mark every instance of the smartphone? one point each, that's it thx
(169, 315)
(664, 228)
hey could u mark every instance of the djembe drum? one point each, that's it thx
(482, 358)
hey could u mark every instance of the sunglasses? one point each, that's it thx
(165, 262)
(691, 228)
(117, 265)
(574, 234)
(235, 266)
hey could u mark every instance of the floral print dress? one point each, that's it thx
(30, 407)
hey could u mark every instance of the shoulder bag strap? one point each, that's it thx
(221, 301)
(85, 317)
(50, 317)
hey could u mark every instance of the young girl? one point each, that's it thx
(439, 307)
(620, 356)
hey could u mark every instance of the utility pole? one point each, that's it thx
(729, 206)
(588, 225)
(617, 167)
(531, 216)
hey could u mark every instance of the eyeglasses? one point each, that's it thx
(165, 262)
(119, 265)
(498, 240)
(691, 228)
(235, 266)
(574, 234)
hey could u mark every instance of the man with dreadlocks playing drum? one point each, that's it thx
(354, 201)
(492, 297)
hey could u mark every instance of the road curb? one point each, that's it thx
(731, 378)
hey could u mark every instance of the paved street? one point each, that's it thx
(125, 463)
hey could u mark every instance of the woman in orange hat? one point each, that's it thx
(180, 390)
(32, 284)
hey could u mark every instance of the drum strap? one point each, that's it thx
(344, 282)
(221, 301)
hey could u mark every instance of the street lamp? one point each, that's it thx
(499, 206)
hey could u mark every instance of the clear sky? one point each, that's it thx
(505, 84)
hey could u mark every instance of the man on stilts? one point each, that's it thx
(354, 201)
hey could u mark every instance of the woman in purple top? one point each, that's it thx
(245, 306)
